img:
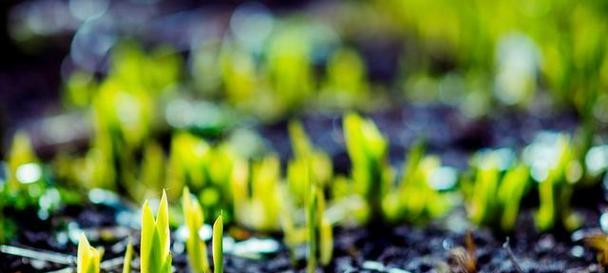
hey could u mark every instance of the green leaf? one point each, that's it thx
(311, 220)
(368, 152)
(197, 251)
(147, 234)
(510, 193)
(21, 153)
(89, 258)
(326, 241)
(155, 256)
(299, 140)
(218, 248)
(126, 264)
(162, 223)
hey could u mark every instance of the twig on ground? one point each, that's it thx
(516, 265)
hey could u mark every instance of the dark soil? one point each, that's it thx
(395, 249)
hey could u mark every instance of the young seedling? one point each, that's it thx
(26, 181)
(155, 256)
(495, 195)
(217, 244)
(302, 148)
(415, 200)
(304, 154)
(89, 258)
(186, 161)
(216, 194)
(197, 250)
(21, 154)
(205, 169)
(255, 190)
(311, 217)
(368, 152)
(319, 230)
(556, 187)
(152, 171)
(289, 67)
(126, 264)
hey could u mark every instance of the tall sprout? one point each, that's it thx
(414, 199)
(319, 231)
(89, 258)
(496, 191)
(368, 152)
(558, 176)
(155, 256)
(305, 154)
(218, 245)
(256, 193)
(197, 250)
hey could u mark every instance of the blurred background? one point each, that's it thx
(273, 59)
(93, 77)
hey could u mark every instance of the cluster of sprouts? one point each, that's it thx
(155, 255)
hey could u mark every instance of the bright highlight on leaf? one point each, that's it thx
(89, 258)
(154, 249)
(21, 153)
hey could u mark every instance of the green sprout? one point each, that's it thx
(157, 71)
(305, 154)
(21, 154)
(89, 258)
(79, 89)
(239, 77)
(316, 232)
(152, 171)
(218, 248)
(123, 108)
(415, 199)
(292, 234)
(26, 180)
(303, 148)
(186, 161)
(216, 195)
(368, 151)
(126, 264)
(197, 250)
(557, 179)
(255, 189)
(123, 112)
(289, 69)
(205, 169)
(346, 83)
(319, 231)
(155, 256)
(495, 196)
(311, 217)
